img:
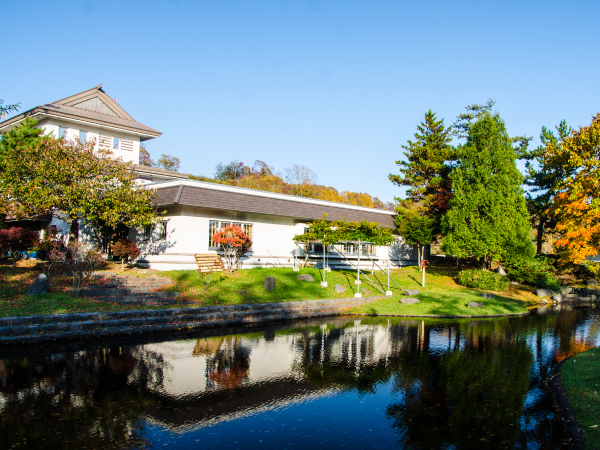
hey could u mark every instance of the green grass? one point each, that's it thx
(441, 296)
(581, 377)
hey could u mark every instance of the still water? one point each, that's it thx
(339, 382)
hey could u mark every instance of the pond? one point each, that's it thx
(337, 382)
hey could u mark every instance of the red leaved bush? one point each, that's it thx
(16, 240)
(234, 243)
(125, 249)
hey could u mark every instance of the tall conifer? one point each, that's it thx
(488, 216)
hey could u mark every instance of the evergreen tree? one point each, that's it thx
(544, 178)
(488, 216)
(426, 170)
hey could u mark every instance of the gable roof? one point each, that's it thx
(92, 106)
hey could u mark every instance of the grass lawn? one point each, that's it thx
(441, 296)
(581, 377)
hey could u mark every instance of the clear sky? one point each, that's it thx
(337, 86)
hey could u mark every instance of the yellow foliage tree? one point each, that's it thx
(576, 204)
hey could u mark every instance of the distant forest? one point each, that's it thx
(296, 180)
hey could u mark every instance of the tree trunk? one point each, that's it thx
(419, 256)
(74, 230)
(540, 235)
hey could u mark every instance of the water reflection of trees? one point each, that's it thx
(71, 401)
(461, 384)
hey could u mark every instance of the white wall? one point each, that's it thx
(188, 229)
(72, 133)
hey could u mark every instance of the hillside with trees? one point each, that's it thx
(296, 180)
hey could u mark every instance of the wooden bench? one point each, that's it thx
(209, 262)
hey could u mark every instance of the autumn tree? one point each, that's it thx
(234, 243)
(72, 180)
(125, 249)
(15, 241)
(488, 216)
(300, 177)
(543, 179)
(576, 204)
(145, 158)
(169, 162)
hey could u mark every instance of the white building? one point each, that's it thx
(195, 210)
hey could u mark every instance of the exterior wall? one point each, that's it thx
(73, 128)
(188, 232)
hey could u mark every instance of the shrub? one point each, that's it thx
(80, 259)
(234, 243)
(125, 249)
(483, 279)
(533, 271)
(17, 240)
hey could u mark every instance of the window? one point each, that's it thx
(82, 136)
(62, 131)
(147, 232)
(116, 143)
(214, 226)
(162, 230)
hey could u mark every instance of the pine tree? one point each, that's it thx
(543, 179)
(488, 215)
(426, 170)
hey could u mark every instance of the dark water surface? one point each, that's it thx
(325, 383)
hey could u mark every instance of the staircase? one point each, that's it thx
(209, 262)
(129, 290)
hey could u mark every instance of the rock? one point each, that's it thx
(410, 301)
(585, 299)
(567, 290)
(41, 285)
(474, 305)
(544, 300)
(515, 283)
(501, 271)
(570, 296)
(270, 283)
(339, 288)
(543, 292)
(488, 296)
(306, 277)
(411, 292)
(592, 283)
(557, 298)
(593, 297)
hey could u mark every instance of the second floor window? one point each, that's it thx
(116, 143)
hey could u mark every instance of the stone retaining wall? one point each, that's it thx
(42, 328)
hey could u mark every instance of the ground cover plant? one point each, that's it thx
(581, 377)
(483, 279)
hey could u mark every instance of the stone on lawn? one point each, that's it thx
(339, 288)
(475, 305)
(543, 292)
(410, 301)
(306, 277)
(488, 296)
(411, 292)
(501, 271)
(592, 283)
(41, 285)
(270, 283)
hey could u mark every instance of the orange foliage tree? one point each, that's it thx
(576, 204)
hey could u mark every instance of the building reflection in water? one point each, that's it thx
(429, 384)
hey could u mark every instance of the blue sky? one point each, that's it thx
(337, 86)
